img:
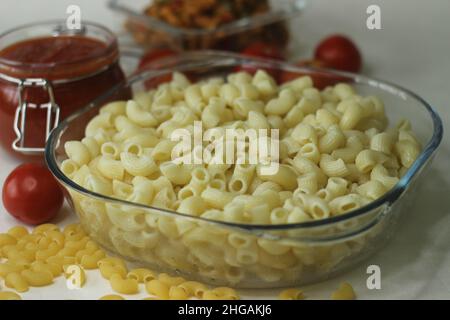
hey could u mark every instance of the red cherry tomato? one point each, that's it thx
(261, 50)
(150, 58)
(320, 80)
(31, 194)
(339, 52)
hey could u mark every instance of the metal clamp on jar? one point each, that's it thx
(52, 113)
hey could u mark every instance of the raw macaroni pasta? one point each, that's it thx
(344, 292)
(291, 294)
(37, 272)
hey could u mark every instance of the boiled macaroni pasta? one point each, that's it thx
(336, 154)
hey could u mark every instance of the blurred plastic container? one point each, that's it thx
(149, 32)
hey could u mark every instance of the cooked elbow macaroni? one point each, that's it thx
(336, 155)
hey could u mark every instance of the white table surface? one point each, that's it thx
(413, 50)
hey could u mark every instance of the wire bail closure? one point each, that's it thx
(52, 118)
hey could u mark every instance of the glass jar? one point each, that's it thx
(47, 72)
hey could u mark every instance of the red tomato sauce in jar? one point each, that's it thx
(53, 49)
(77, 69)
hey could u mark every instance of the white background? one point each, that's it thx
(412, 49)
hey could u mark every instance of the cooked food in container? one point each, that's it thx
(347, 161)
(208, 24)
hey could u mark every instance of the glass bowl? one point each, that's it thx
(245, 255)
(270, 27)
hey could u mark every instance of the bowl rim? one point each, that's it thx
(226, 59)
(272, 16)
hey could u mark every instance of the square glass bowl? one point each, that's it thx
(243, 255)
(148, 32)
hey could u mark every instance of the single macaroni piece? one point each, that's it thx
(158, 288)
(90, 261)
(407, 151)
(344, 292)
(141, 275)
(178, 293)
(9, 295)
(333, 167)
(55, 269)
(110, 266)
(17, 282)
(331, 152)
(103, 166)
(6, 239)
(77, 152)
(37, 278)
(112, 297)
(170, 281)
(124, 286)
(211, 295)
(291, 294)
(17, 232)
(225, 293)
(193, 288)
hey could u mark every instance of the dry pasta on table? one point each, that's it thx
(36, 272)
